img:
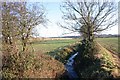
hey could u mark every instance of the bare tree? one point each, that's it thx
(19, 19)
(30, 15)
(88, 18)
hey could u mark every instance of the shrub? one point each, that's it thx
(14, 65)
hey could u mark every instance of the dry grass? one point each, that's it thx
(47, 68)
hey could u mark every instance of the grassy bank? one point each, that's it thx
(103, 66)
(63, 53)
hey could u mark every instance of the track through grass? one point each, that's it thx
(109, 43)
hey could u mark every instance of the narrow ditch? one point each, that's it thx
(69, 67)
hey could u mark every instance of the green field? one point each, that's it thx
(50, 45)
(109, 43)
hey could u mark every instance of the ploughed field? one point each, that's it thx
(112, 44)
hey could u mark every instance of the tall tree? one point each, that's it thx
(88, 18)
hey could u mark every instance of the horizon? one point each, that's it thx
(54, 15)
(78, 35)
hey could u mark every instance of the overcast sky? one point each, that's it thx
(55, 15)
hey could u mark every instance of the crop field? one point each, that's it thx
(50, 45)
(109, 43)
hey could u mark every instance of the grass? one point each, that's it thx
(61, 49)
(109, 62)
(46, 66)
(50, 45)
(109, 43)
(62, 54)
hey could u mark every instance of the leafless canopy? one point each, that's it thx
(88, 18)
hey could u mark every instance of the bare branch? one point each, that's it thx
(89, 17)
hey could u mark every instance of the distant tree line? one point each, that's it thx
(107, 35)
